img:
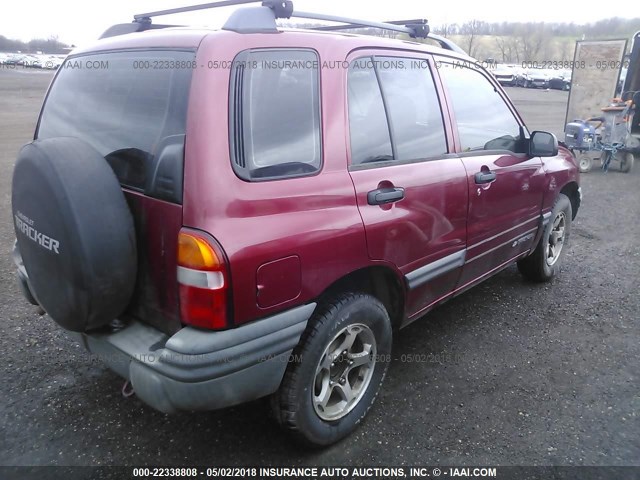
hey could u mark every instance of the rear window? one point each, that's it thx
(131, 107)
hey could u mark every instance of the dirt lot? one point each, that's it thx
(520, 374)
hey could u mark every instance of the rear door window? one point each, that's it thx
(275, 114)
(413, 108)
(130, 106)
(369, 130)
(394, 111)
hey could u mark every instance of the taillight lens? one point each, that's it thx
(203, 280)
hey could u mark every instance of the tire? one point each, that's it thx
(313, 380)
(540, 266)
(626, 161)
(74, 232)
(584, 163)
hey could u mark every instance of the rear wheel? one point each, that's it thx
(543, 264)
(337, 370)
(626, 161)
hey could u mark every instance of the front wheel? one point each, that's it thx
(543, 264)
(336, 371)
(584, 163)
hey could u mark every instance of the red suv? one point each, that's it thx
(250, 212)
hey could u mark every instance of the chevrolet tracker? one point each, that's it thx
(219, 235)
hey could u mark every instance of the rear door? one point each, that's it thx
(411, 191)
(505, 185)
(132, 109)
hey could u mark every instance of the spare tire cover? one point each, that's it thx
(75, 232)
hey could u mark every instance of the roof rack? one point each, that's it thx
(263, 19)
(413, 27)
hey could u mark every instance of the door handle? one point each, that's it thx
(485, 176)
(382, 196)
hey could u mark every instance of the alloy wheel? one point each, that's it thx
(344, 372)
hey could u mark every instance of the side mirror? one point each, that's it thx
(543, 144)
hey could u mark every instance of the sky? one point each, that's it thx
(79, 22)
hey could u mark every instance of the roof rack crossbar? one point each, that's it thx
(281, 8)
(350, 26)
(414, 28)
(190, 8)
(411, 24)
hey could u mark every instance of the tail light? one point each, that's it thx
(203, 280)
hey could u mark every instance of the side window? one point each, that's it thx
(484, 120)
(275, 114)
(414, 110)
(394, 112)
(369, 131)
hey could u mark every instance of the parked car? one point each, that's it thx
(505, 75)
(536, 78)
(522, 77)
(15, 59)
(561, 80)
(518, 73)
(32, 61)
(215, 248)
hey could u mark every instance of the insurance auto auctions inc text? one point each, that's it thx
(375, 472)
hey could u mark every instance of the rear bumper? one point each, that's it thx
(198, 369)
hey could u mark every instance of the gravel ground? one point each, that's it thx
(520, 374)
